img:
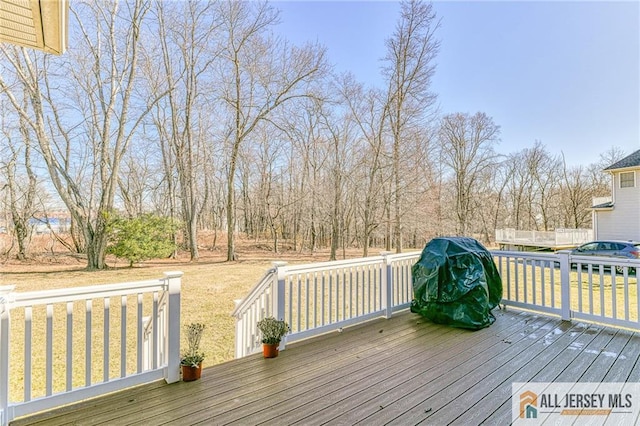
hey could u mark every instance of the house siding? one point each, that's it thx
(623, 222)
(606, 226)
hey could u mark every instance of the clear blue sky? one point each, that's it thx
(564, 73)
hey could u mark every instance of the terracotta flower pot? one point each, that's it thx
(270, 350)
(190, 373)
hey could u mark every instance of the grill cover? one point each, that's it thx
(456, 282)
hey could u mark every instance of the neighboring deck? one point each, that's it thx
(398, 371)
(560, 239)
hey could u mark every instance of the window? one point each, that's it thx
(627, 180)
(589, 247)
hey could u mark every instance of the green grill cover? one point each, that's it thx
(456, 282)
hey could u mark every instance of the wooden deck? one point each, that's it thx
(401, 371)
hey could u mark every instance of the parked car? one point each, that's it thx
(620, 249)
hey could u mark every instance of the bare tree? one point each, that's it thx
(519, 183)
(21, 186)
(576, 195)
(98, 79)
(262, 169)
(580, 184)
(260, 74)
(485, 202)
(500, 179)
(409, 68)
(303, 125)
(610, 156)
(138, 180)
(368, 110)
(534, 177)
(599, 179)
(545, 170)
(339, 137)
(188, 52)
(467, 149)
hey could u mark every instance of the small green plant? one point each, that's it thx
(140, 238)
(272, 330)
(193, 357)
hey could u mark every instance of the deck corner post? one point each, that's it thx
(240, 338)
(565, 285)
(5, 339)
(387, 285)
(173, 280)
(278, 307)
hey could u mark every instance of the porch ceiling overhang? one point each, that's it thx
(604, 206)
(38, 24)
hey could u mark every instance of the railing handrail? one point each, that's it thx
(402, 256)
(615, 261)
(524, 254)
(333, 264)
(257, 289)
(337, 264)
(97, 291)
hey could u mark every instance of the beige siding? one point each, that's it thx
(38, 24)
(605, 228)
(623, 222)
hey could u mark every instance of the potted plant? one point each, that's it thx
(191, 360)
(273, 331)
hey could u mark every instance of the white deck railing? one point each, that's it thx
(115, 335)
(321, 297)
(589, 288)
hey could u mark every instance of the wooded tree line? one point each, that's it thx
(199, 111)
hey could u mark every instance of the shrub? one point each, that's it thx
(141, 238)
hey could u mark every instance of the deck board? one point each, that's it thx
(381, 392)
(380, 376)
(435, 371)
(346, 377)
(557, 339)
(452, 385)
(326, 368)
(404, 370)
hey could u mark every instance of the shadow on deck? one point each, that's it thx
(398, 371)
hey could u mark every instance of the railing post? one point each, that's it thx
(240, 337)
(565, 285)
(277, 308)
(5, 339)
(386, 295)
(172, 374)
(147, 342)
